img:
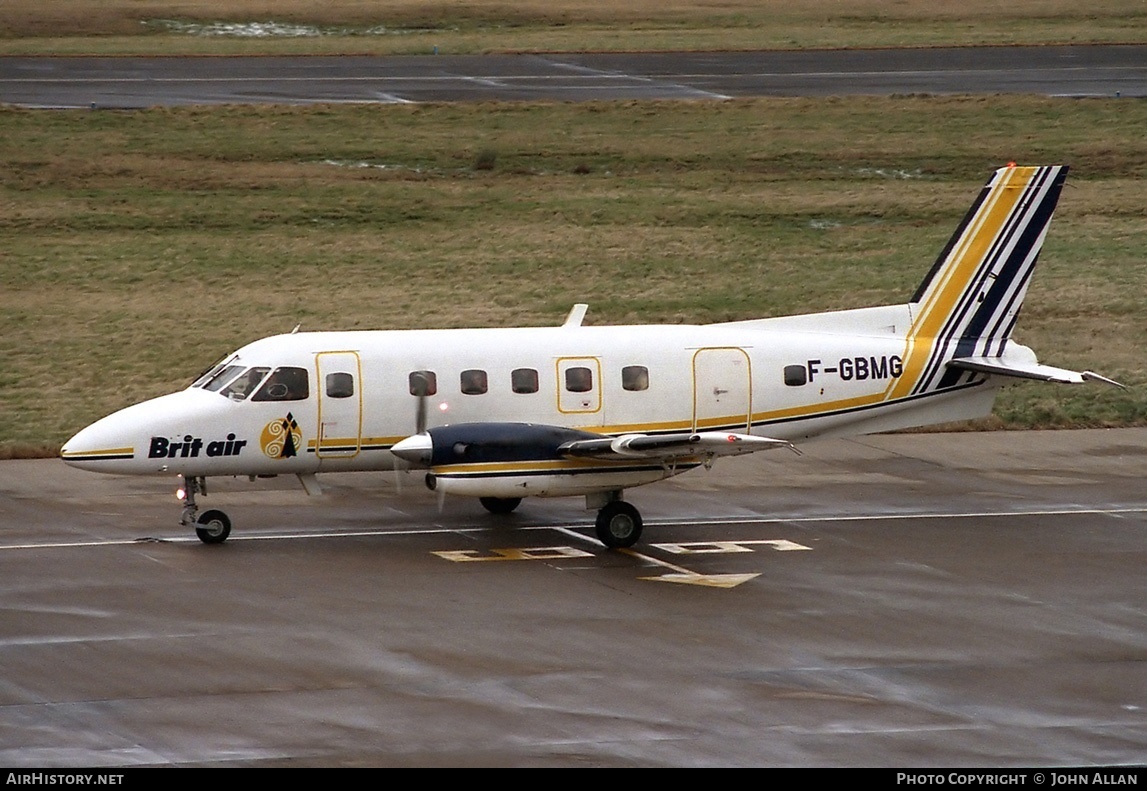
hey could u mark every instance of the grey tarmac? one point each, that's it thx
(913, 600)
(130, 82)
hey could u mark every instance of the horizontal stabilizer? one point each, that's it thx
(1022, 369)
(671, 446)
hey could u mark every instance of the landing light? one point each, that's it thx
(180, 494)
(443, 406)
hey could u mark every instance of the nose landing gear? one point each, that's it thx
(213, 526)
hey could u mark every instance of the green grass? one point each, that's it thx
(137, 247)
(165, 27)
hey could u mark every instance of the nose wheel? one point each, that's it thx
(213, 526)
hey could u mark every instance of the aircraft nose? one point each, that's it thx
(101, 442)
(118, 443)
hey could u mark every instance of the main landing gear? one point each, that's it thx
(211, 526)
(500, 505)
(618, 524)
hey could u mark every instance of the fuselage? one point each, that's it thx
(337, 401)
(503, 414)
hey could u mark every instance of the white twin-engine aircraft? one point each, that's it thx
(502, 414)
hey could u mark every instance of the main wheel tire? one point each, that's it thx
(618, 525)
(214, 527)
(500, 505)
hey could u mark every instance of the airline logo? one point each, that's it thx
(281, 439)
(192, 447)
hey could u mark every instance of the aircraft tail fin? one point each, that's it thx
(967, 305)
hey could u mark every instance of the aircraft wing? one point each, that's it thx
(669, 447)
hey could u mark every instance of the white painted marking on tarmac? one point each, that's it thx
(729, 547)
(573, 529)
(686, 576)
(886, 517)
(704, 580)
(607, 81)
(678, 574)
(591, 73)
(584, 72)
(530, 553)
(488, 82)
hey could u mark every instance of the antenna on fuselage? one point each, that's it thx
(296, 329)
(576, 314)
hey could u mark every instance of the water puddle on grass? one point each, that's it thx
(273, 29)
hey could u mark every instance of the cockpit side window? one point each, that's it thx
(222, 377)
(285, 384)
(244, 384)
(210, 372)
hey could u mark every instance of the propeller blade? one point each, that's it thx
(420, 385)
(397, 475)
(420, 416)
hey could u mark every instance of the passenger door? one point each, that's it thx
(722, 389)
(340, 405)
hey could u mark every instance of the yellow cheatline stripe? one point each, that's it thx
(382, 440)
(803, 410)
(917, 353)
(907, 359)
(102, 452)
(737, 420)
(808, 410)
(352, 440)
(641, 428)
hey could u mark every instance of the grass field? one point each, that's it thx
(136, 248)
(407, 26)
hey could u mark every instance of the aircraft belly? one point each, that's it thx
(551, 484)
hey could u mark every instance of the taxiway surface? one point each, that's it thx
(907, 600)
(124, 82)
